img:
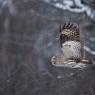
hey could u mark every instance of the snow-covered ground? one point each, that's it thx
(73, 6)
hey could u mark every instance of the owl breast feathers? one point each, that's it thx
(72, 49)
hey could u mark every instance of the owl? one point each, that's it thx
(71, 46)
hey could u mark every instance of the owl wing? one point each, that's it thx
(57, 59)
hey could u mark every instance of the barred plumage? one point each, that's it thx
(72, 50)
(69, 32)
(71, 45)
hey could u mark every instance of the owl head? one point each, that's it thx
(69, 32)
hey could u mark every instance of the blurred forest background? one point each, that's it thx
(29, 38)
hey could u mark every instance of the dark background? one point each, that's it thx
(28, 40)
